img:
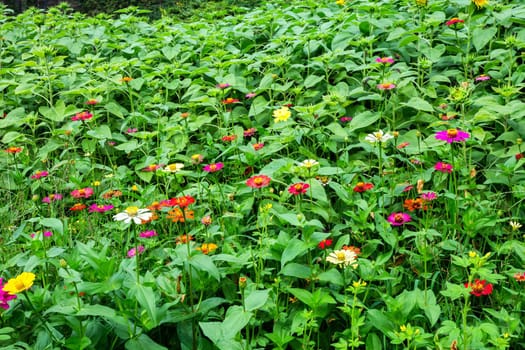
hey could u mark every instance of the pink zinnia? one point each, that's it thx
(345, 119)
(222, 85)
(133, 251)
(258, 181)
(131, 130)
(386, 86)
(250, 95)
(452, 135)
(454, 21)
(91, 102)
(148, 234)
(52, 198)
(385, 60)
(211, 168)
(249, 132)
(48, 233)
(482, 77)
(39, 174)
(100, 208)
(4, 296)
(443, 167)
(428, 196)
(82, 116)
(398, 219)
(82, 193)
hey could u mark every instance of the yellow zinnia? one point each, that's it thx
(22, 282)
(282, 114)
(480, 3)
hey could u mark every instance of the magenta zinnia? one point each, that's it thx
(82, 193)
(211, 168)
(443, 167)
(39, 174)
(4, 296)
(100, 208)
(398, 219)
(452, 135)
(298, 188)
(258, 181)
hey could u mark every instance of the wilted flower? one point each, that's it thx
(343, 257)
(183, 239)
(82, 116)
(454, 21)
(133, 214)
(206, 220)
(398, 219)
(197, 158)
(20, 283)
(479, 288)
(131, 130)
(452, 135)
(345, 119)
(519, 277)
(258, 181)
(258, 146)
(249, 132)
(378, 136)
(152, 167)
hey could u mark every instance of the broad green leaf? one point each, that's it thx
(205, 263)
(54, 224)
(143, 342)
(481, 37)
(146, 298)
(294, 248)
(364, 119)
(296, 270)
(312, 80)
(102, 132)
(256, 299)
(419, 104)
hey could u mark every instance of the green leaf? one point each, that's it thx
(100, 132)
(312, 80)
(146, 298)
(54, 224)
(364, 119)
(129, 146)
(256, 299)
(481, 37)
(380, 320)
(205, 263)
(296, 270)
(143, 342)
(58, 112)
(419, 104)
(294, 248)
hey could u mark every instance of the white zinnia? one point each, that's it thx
(135, 214)
(309, 163)
(378, 136)
(515, 225)
(343, 257)
(173, 168)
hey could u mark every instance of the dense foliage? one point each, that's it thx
(309, 175)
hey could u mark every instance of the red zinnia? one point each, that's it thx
(183, 201)
(258, 146)
(229, 138)
(298, 188)
(82, 116)
(363, 186)
(152, 167)
(230, 100)
(249, 132)
(78, 207)
(258, 181)
(13, 150)
(454, 21)
(325, 243)
(479, 288)
(519, 276)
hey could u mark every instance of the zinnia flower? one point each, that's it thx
(343, 257)
(100, 208)
(282, 114)
(135, 250)
(250, 95)
(82, 116)
(515, 225)
(249, 132)
(13, 150)
(229, 138)
(298, 188)
(480, 3)
(258, 181)
(152, 167)
(52, 198)
(230, 100)
(309, 163)
(20, 283)
(131, 130)
(453, 22)
(386, 86)
(82, 193)
(345, 119)
(452, 135)
(258, 146)
(325, 243)
(479, 288)
(91, 102)
(385, 60)
(414, 204)
(207, 248)
(126, 79)
(173, 168)
(176, 215)
(398, 219)
(4, 296)
(39, 174)
(211, 168)
(378, 136)
(183, 201)
(133, 214)
(428, 196)
(78, 207)
(148, 234)
(206, 220)
(363, 186)
(197, 158)
(443, 167)
(482, 77)
(222, 85)
(519, 277)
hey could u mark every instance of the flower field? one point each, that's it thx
(306, 175)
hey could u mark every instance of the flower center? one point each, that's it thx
(341, 256)
(258, 181)
(378, 135)
(213, 167)
(477, 287)
(398, 218)
(298, 187)
(132, 211)
(452, 132)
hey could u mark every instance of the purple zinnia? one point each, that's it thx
(398, 219)
(452, 135)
